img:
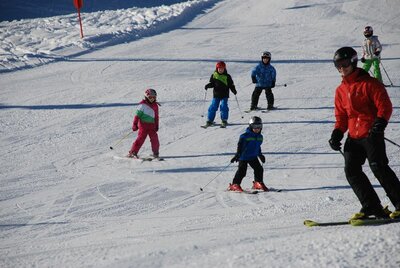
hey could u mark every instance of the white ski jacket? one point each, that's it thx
(370, 46)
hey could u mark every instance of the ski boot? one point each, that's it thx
(235, 188)
(224, 123)
(382, 213)
(395, 214)
(259, 186)
(132, 155)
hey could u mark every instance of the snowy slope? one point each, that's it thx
(33, 42)
(67, 200)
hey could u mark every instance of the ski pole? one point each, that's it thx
(201, 188)
(118, 142)
(391, 83)
(281, 85)
(341, 152)
(204, 104)
(239, 106)
(392, 142)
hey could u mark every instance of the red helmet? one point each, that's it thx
(220, 64)
(150, 93)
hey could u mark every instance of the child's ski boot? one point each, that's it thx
(235, 188)
(259, 186)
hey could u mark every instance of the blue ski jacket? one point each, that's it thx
(265, 75)
(249, 145)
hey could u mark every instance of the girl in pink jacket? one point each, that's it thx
(146, 121)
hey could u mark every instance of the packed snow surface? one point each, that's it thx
(67, 200)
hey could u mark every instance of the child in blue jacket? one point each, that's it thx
(264, 76)
(248, 152)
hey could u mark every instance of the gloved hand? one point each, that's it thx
(262, 158)
(235, 158)
(234, 91)
(336, 137)
(209, 85)
(379, 125)
(377, 53)
(254, 79)
(135, 128)
(362, 59)
(377, 129)
(273, 84)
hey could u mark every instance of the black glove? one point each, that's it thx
(234, 91)
(254, 79)
(377, 53)
(379, 125)
(262, 158)
(273, 84)
(377, 130)
(235, 158)
(362, 60)
(336, 137)
(209, 85)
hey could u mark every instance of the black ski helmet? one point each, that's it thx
(368, 31)
(345, 53)
(266, 54)
(255, 122)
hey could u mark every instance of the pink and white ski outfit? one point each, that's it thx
(146, 121)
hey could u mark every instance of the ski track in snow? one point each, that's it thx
(67, 200)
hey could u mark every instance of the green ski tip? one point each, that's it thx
(310, 223)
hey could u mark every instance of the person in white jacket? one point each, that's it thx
(371, 55)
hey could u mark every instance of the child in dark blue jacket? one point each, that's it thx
(248, 152)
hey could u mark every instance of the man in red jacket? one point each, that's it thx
(363, 108)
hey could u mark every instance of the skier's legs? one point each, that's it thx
(258, 170)
(367, 65)
(212, 110)
(377, 70)
(240, 173)
(155, 143)
(137, 144)
(379, 164)
(270, 97)
(355, 157)
(224, 109)
(254, 97)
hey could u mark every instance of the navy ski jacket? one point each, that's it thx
(249, 145)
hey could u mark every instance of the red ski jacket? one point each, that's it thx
(359, 100)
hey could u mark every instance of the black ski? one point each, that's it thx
(358, 222)
(362, 222)
(244, 192)
(149, 158)
(269, 190)
(256, 110)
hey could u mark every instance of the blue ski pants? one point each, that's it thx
(222, 103)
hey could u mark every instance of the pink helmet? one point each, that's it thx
(150, 93)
